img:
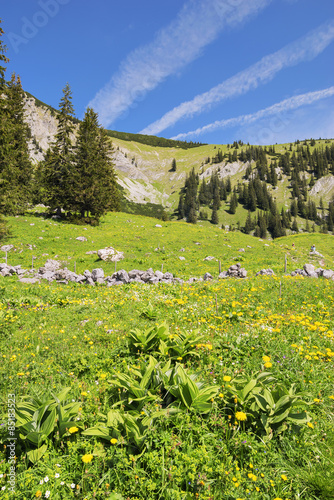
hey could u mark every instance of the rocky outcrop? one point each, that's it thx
(234, 271)
(309, 271)
(110, 254)
(265, 272)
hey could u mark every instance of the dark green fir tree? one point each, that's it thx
(15, 165)
(57, 176)
(214, 217)
(94, 189)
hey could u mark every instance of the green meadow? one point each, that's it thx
(220, 389)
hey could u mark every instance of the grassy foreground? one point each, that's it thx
(219, 390)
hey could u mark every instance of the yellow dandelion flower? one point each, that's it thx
(38, 494)
(268, 364)
(72, 430)
(87, 458)
(113, 441)
(240, 415)
(266, 358)
(220, 395)
(310, 425)
(226, 378)
(283, 476)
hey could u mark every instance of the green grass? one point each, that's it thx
(55, 336)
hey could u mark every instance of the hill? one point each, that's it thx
(152, 171)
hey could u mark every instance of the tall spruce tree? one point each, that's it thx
(58, 165)
(15, 165)
(214, 216)
(94, 189)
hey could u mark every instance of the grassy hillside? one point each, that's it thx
(204, 391)
(145, 245)
(152, 167)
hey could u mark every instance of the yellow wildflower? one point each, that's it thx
(72, 430)
(240, 415)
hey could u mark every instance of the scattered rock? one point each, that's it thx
(328, 274)
(207, 277)
(157, 225)
(110, 254)
(241, 250)
(209, 258)
(265, 272)
(31, 281)
(52, 265)
(182, 258)
(234, 271)
(97, 274)
(122, 276)
(6, 248)
(81, 238)
(91, 252)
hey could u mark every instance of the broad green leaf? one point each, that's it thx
(279, 417)
(268, 397)
(283, 401)
(62, 395)
(35, 455)
(98, 431)
(248, 388)
(114, 418)
(49, 423)
(36, 438)
(261, 402)
(299, 418)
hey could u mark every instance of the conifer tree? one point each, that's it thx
(233, 203)
(58, 164)
(173, 167)
(248, 224)
(180, 208)
(214, 216)
(94, 189)
(294, 226)
(15, 165)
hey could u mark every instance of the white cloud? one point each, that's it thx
(198, 23)
(277, 109)
(305, 48)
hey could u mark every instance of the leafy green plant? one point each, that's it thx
(38, 419)
(148, 340)
(142, 386)
(181, 344)
(187, 392)
(149, 313)
(127, 428)
(269, 410)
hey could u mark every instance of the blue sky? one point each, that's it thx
(203, 70)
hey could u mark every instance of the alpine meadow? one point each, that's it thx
(166, 303)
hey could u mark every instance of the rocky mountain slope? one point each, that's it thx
(144, 171)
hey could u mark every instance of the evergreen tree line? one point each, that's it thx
(77, 174)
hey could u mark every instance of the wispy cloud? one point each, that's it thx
(303, 49)
(276, 109)
(198, 23)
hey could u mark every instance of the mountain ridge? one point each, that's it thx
(145, 171)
